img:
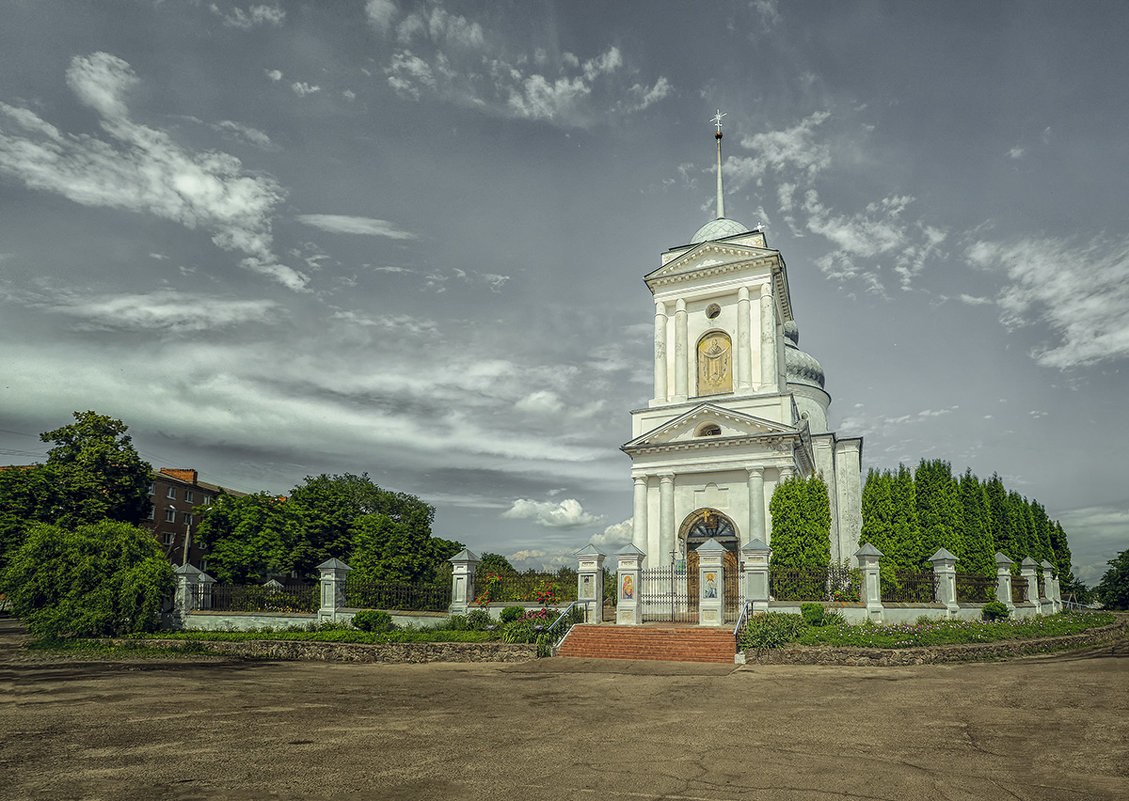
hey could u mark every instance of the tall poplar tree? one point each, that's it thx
(1002, 536)
(801, 524)
(976, 555)
(905, 530)
(938, 511)
(878, 522)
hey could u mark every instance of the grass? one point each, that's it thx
(332, 635)
(951, 632)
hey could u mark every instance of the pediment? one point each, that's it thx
(709, 255)
(688, 428)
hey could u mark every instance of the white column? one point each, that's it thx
(757, 528)
(639, 514)
(786, 473)
(663, 537)
(769, 380)
(662, 391)
(681, 359)
(743, 364)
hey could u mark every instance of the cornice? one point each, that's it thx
(712, 270)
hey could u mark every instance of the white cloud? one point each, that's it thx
(246, 132)
(162, 311)
(1078, 290)
(566, 514)
(141, 169)
(1016, 153)
(390, 322)
(345, 224)
(301, 88)
(542, 402)
(274, 75)
(614, 536)
(255, 15)
(973, 300)
(381, 14)
(787, 151)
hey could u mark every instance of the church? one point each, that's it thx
(737, 406)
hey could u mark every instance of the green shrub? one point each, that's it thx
(456, 623)
(812, 613)
(103, 579)
(519, 631)
(512, 613)
(478, 620)
(995, 611)
(373, 620)
(833, 617)
(771, 630)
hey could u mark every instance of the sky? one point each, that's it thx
(281, 239)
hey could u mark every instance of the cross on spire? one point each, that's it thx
(717, 120)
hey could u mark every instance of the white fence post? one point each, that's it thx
(462, 581)
(868, 557)
(711, 583)
(333, 576)
(590, 582)
(1003, 581)
(756, 556)
(945, 580)
(628, 611)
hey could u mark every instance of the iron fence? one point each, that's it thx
(541, 588)
(397, 595)
(734, 593)
(299, 598)
(908, 588)
(1018, 590)
(668, 594)
(816, 584)
(975, 589)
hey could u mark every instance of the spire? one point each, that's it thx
(720, 197)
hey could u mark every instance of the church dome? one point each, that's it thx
(800, 367)
(718, 229)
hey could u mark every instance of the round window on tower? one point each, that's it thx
(713, 310)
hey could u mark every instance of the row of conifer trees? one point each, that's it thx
(909, 514)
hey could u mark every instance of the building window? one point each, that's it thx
(152, 513)
(709, 430)
(712, 311)
(169, 538)
(189, 496)
(152, 488)
(206, 500)
(187, 519)
(172, 492)
(170, 515)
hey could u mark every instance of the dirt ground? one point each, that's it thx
(197, 728)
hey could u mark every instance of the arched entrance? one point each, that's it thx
(706, 524)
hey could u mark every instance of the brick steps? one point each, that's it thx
(595, 641)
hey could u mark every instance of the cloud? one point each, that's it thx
(1078, 290)
(274, 75)
(254, 16)
(542, 402)
(1096, 534)
(455, 58)
(246, 133)
(164, 311)
(787, 151)
(566, 514)
(1016, 153)
(390, 322)
(614, 536)
(301, 88)
(344, 224)
(142, 170)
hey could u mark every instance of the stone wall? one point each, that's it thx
(403, 652)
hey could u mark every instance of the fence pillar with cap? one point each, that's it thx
(711, 583)
(1050, 585)
(1003, 581)
(463, 565)
(1027, 571)
(629, 563)
(590, 582)
(755, 556)
(868, 557)
(193, 590)
(333, 575)
(945, 580)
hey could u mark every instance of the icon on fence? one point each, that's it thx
(628, 589)
(711, 585)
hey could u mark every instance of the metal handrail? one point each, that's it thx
(565, 612)
(745, 611)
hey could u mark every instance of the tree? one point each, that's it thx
(1113, 589)
(497, 564)
(104, 579)
(801, 524)
(1003, 540)
(938, 510)
(250, 538)
(976, 555)
(27, 495)
(905, 529)
(97, 471)
(878, 523)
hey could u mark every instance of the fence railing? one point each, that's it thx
(300, 598)
(538, 588)
(1018, 590)
(397, 595)
(975, 589)
(909, 588)
(816, 584)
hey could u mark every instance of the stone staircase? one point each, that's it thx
(666, 643)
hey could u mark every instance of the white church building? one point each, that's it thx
(737, 406)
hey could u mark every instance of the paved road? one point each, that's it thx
(1040, 728)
